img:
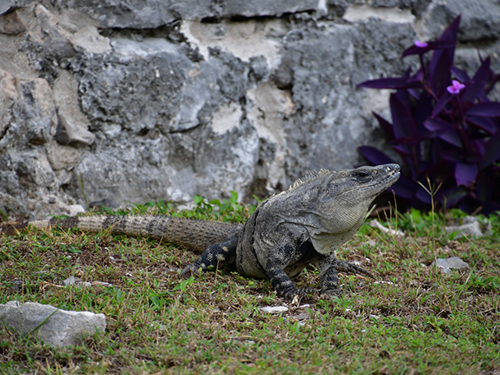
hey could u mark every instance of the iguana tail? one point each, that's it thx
(195, 235)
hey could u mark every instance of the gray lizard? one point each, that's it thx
(287, 231)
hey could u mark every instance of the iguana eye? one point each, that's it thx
(361, 176)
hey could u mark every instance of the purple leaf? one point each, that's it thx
(451, 196)
(490, 109)
(492, 151)
(442, 59)
(460, 74)
(385, 125)
(450, 34)
(390, 83)
(439, 167)
(479, 151)
(402, 150)
(465, 173)
(453, 154)
(443, 100)
(422, 110)
(483, 98)
(401, 119)
(490, 207)
(485, 184)
(374, 156)
(416, 50)
(404, 187)
(423, 196)
(414, 93)
(413, 140)
(479, 82)
(445, 131)
(404, 97)
(440, 70)
(484, 123)
(493, 80)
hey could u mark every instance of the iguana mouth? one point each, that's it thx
(393, 174)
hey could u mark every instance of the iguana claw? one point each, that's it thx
(342, 265)
(192, 270)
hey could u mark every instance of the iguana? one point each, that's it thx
(287, 231)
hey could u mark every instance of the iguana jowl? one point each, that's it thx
(301, 225)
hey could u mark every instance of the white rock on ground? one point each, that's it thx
(448, 264)
(470, 227)
(52, 325)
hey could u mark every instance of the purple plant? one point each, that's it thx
(447, 131)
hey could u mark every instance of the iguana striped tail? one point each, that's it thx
(195, 235)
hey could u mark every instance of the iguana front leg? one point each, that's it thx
(282, 253)
(328, 277)
(223, 252)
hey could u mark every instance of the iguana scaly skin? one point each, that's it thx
(288, 231)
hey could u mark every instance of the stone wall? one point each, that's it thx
(137, 100)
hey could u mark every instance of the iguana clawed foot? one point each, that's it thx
(330, 293)
(343, 266)
(290, 294)
(193, 269)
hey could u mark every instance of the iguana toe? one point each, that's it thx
(330, 293)
(344, 266)
(192, 270)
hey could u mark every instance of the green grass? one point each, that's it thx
(412, 320)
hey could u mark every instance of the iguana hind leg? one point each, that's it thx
(212, 256)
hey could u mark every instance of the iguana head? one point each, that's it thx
(344, 197)
(331, 206)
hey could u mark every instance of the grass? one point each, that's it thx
(412, 320)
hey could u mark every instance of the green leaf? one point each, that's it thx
(215, 202)
(234, 197)
(198, 199)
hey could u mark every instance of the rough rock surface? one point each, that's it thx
(140, 100)
(53, 326)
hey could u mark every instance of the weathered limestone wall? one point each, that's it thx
(145, 99)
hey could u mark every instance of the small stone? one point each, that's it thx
(84, 283)
(273, 309)
(159, 326)
(100, 283)
(448, 264)
(75, 209)
(376, 224)
(69, 281)
(383, 282)
(470, 227)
